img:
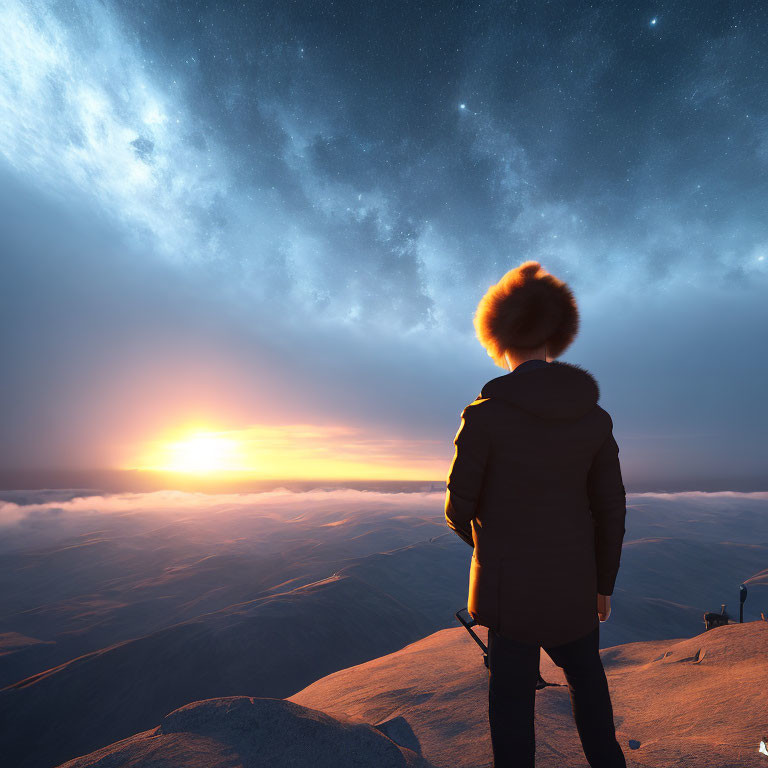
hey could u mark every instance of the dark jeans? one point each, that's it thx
(513, 674)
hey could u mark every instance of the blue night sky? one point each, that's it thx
(281, 213)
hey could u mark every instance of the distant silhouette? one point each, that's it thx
(742, 600)
(712, 619)
(535, 487)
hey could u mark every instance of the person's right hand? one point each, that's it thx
(603, 606)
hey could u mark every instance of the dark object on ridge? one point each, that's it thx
(469, 623)
(712, 619)
(535, 487)
(742, 598)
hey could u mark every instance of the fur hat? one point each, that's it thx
(528, 307)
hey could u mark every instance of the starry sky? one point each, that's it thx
(279, 213)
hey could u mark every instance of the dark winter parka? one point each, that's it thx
(535, 487)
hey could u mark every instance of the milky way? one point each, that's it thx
(288, 186)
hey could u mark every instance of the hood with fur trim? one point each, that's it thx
(557, 390)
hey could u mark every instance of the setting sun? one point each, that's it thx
(292, 450)
(202, 453)
(197, 451)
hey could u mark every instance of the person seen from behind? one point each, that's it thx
(535, 487)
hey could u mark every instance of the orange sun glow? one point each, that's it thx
(293, 450)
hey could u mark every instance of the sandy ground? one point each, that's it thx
(701, 701)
